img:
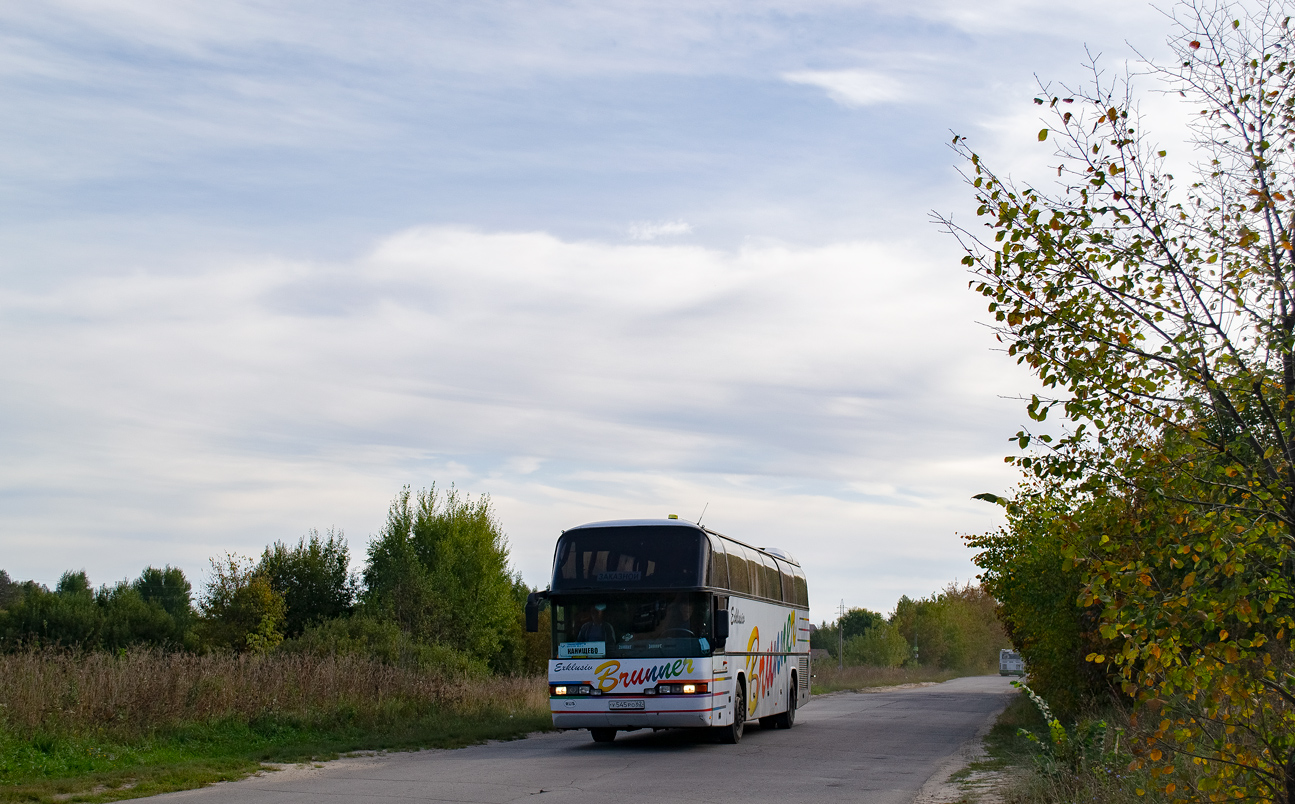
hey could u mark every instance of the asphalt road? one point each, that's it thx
(872, 747)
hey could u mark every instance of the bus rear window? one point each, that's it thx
(645, 557)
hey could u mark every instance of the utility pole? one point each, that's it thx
(840, 638)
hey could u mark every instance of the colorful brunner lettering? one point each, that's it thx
(610, 677)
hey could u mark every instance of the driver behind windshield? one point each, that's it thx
(595, 630)
(678, 619)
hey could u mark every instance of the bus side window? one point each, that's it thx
(756, 566)
(739, 577)
(802, 588)
(718, 569)
(788, 584)
(772, 586)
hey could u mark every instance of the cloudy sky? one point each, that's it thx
(262, 264)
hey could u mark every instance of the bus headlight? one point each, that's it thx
(695, 688)
(559, 690)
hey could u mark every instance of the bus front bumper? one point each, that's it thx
(631, 720)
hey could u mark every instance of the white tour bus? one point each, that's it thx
(663, 624)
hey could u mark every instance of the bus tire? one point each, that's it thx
(603, 735)
(787, 719)
(732, 733)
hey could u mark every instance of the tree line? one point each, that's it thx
(954, 629)
(436, 589)
(1147, 558)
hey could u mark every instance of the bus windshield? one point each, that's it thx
(632, 625)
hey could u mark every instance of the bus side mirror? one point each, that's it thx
(721, 627)
(533, 612)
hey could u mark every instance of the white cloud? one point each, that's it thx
(830, 397)
(651, 230)
(832, 400)
(853, 88)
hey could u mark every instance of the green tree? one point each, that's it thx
(1037, 588)
(440, 569)
(314, 578)
(954, 629)
(169, 589)
(75, 615)
(882, 645)
(10, 591)
(1160, 320)
(240, 610)
(855, 622)
(66, 617)
(129, 619)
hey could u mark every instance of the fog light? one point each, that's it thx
(585, 689)
(559, 690)
(596, 692)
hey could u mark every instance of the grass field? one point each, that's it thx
(100, 727)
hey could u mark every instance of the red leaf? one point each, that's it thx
(1194, 44)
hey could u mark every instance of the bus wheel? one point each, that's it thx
(787, 719)
(603, 735)
(732, 733)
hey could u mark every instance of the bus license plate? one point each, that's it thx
(625, 704)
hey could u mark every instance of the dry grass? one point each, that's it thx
(137, 692)
(827, 678)
(144, 722)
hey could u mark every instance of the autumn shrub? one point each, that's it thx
(1156, 314)
(240, 609)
